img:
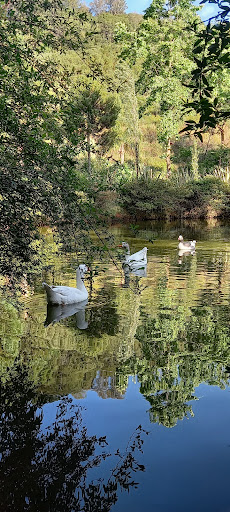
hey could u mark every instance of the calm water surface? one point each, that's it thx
(145, 363)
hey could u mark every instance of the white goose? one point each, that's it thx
(137, 258)
(186, 246)
(68, 294)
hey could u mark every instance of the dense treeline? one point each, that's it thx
(93, 99)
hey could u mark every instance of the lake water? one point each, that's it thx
(146, 363)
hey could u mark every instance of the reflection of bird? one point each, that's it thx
(68, 294)
(81, 321)
(139, 272)
(186, 246)
(57, 312)
(185, 253)
(137, 257)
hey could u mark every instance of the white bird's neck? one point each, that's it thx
(127, 249)
(80, 282)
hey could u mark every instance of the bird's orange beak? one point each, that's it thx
(119, 246)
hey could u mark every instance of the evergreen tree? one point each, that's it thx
(92, 118)
(166, 64)
(156, 9)
(129, 116)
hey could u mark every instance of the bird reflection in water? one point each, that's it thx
(182, 254)
(58, 312)
(138, 271)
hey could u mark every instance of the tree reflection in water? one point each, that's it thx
(181, 348)
(49, 469)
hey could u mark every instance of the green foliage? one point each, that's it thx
(30, 154)
(107, 176)
(65, 93)
(213, 159)
(160, 198)
(91, 117)
(128, 119)
(148, 197)
(11, 330)
(40, 134)
(156, 9)
(91, 114)
(207, 192)
(211, 56)
(166, 64)
(181, 338)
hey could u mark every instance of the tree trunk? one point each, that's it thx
(89, 153)
(122, 153)
(137, 165)
(168, 158)
(195, 160)
(221, 128)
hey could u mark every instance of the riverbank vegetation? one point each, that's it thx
(94, 103)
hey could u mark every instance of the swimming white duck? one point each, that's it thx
(186, 246)
(137, 257)
(68, 294)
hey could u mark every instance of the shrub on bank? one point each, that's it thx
(207, 197)
(149, 198)
(213, 159)
(202, 198)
